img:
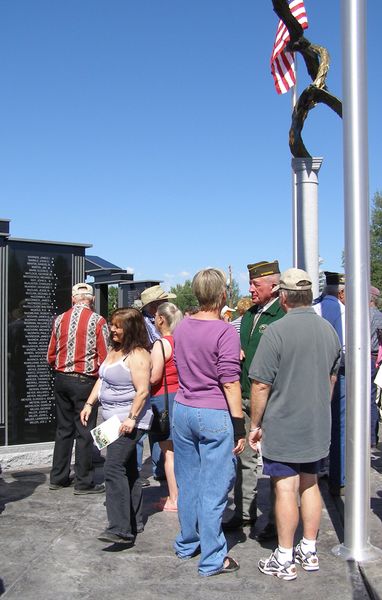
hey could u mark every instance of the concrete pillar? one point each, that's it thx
(306, 175)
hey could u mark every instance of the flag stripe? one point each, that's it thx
(282, 61)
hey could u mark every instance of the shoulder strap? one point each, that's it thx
(164, 376)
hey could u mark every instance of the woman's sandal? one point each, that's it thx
(231, 566)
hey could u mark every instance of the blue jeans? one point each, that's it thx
(156, 457)
(337, 445)
(205, 472)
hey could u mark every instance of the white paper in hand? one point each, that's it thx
(260, 456)
(378, 378)
(107, 432)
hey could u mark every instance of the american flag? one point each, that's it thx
(282, 61)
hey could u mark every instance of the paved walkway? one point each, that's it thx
(49, 550)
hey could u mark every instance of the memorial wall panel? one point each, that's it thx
(39, 287)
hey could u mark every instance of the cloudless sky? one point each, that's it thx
(151, 129)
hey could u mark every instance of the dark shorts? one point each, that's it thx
(273, 468)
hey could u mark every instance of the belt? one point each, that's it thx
(77, 375)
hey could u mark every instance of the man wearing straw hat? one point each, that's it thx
(151, 298)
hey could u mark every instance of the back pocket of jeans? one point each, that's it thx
(212, 420)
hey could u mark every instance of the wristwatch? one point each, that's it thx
(131, 416)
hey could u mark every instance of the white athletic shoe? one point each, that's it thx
(308, 561)
(271, 566)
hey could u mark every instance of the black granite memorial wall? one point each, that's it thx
(39, 287)
(36, 278)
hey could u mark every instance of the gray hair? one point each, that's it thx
(88, 298)
(274, 278)
(171, 314)
(137, 304)
(209, 286)
(296, 298)
(333, 289)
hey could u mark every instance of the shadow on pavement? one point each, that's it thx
(376, 459)
(335, 508)
(235, 537)
(358, 583)
(24, 486)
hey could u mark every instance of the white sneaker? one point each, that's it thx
(271, 566)
(308, 561)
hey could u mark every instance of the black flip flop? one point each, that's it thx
(230, 568)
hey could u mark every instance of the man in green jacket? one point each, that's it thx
(263, 286)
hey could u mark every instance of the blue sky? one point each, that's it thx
(151, 129)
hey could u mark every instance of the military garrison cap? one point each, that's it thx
(334, 278)
(263, 268)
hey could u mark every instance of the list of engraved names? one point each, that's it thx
(40, 284)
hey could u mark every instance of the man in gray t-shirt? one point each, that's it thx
(292, 381)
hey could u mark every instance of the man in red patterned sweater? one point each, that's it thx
(77, 347)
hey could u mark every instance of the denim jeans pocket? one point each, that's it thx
(213, 420)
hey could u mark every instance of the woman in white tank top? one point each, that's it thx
(123, 389)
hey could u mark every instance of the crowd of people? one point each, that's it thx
(271, 381)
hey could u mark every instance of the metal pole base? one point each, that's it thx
(366, 554)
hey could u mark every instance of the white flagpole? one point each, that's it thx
(357, 368)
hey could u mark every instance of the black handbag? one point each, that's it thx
(160, 424)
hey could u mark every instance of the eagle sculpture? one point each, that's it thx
(317, 61)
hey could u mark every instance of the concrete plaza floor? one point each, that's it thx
(49, 549)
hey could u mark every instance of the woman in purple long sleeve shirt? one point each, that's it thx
(208, 425)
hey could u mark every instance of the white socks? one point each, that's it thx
(284, 555)
(308, 545)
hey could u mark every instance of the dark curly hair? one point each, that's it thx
(134, 330)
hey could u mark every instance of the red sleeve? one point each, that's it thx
(51, 355)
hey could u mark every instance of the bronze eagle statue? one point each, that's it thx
(317, 61)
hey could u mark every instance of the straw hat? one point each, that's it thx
(153, 294)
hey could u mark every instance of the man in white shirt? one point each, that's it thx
(332, 308)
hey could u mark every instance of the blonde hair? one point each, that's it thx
(209, 286)
(171, 314)
(243, 305)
